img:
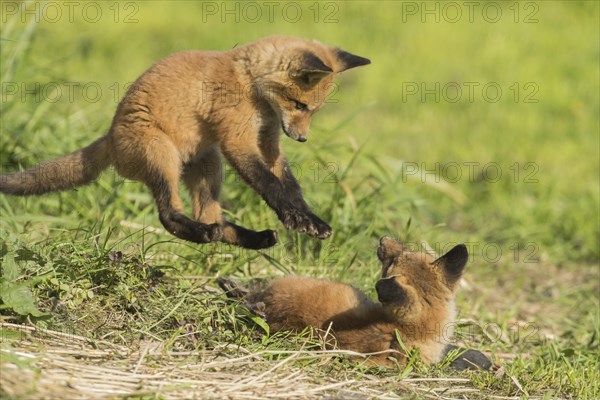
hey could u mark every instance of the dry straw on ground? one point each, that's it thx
(44, 364)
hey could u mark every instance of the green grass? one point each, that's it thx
(380, 161)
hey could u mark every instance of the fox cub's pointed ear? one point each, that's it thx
(453, 263)
(310, 69)
(347, 60)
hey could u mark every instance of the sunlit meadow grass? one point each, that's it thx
(476, 131)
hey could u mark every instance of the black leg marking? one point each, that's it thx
(177, 223)
(231, 288)
(250, 239)
(285, 198)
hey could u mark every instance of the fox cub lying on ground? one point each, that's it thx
(416, 298)
(185, 111)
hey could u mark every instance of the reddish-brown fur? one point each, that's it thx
(416, 299)
(186, 110)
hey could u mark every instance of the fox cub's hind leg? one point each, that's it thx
(152, 158)
(203, 177)
(252, 300)
(232, 289)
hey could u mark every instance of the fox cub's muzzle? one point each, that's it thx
(293, 134)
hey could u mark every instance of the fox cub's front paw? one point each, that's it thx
(305, 222)
(212, 233)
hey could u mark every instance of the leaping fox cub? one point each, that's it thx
(416, 298)
(185, 111)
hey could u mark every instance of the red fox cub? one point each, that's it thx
(185, 111)
(416, 298)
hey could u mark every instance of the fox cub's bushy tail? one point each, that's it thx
(75, 169)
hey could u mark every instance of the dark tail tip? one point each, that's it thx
(468, 359)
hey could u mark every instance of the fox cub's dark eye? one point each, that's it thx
(300, 106)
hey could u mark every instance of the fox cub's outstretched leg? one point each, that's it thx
(265, 168)
(250, 299)
(203, 177)
(232, 289)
